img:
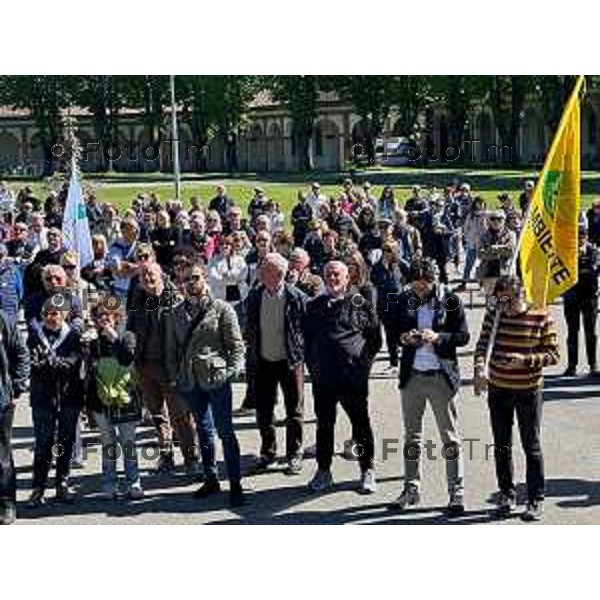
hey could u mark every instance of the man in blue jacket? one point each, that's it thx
(11, 285)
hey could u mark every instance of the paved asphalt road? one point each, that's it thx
(571, 441)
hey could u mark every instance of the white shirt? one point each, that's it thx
(425, 357)
(315, 202)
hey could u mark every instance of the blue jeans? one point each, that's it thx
(117, 439)
(207, 435)
(470, 258)
(218, 402)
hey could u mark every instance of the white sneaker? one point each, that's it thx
(135, 491)
(368, 484)
(409, 497)
(322, 481)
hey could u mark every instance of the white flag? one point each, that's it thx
(76, 227)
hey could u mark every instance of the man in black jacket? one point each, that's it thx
(581, 303)
(14, 372)
(431, 324)
(342, 338)
(275, 344)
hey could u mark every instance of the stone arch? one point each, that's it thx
(326, 142)
(36, 155)
(532, 137)
(143, 163)
(485, 132)
(255, 144)
(275, 150)
(215, 153)
(91, 151)
(10, 151)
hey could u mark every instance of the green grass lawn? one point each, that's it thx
(284, 188)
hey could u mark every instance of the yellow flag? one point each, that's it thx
(549, 248)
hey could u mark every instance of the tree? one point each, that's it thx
(103, 95)
(373, 97)
(45, 96)
(150, 94)
(507, 99)
(300, 95)
(553, 92)
(234, 94)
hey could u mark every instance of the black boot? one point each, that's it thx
(236, 495)
(209, 487)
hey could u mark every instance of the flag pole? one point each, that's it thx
(175, 141)
(574, 97)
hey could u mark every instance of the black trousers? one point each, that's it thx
(392, 341)
(270, 375)
(357, 408)
(54, 431)
(8, 477)
(249, 401)
(575, 311)
(503, 404)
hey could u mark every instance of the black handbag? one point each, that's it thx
(232, 293)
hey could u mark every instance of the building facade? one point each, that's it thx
(267, 144)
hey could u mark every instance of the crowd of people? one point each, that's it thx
(181, 301)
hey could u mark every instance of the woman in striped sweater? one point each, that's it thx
(525, 343)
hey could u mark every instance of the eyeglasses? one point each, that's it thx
(194, 278)
(180, 264)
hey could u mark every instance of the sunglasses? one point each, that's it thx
(194, 278)
(143, 256)
(69, 267)
(52, 278)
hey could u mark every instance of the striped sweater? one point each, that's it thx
(531, 333)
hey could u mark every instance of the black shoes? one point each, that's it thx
(264, 464)
(36, 499)
(294, 466)
(64, 493)
(505, 505)
(208, 488)
(570, 371)
(533, 512)
(236, 495)
(166, 464)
